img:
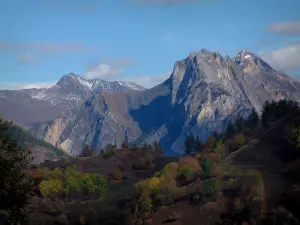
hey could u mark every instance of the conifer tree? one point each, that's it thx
(15, 186)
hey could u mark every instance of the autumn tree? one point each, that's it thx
(15, 185)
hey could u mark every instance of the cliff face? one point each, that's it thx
(203, 93)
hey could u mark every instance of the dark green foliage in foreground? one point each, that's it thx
(15, 186)
(23, 136)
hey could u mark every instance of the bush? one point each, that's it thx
(210, 187)
(186, 172)
(108, 154)
(117, 173)
(208, 167)
(190, 161)
(49, 188)
(239, 140)
(172, 169)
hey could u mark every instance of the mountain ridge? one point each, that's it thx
(203, 93)
(46, 104)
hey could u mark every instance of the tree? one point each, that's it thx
(15, 184)
(229, 130)
(88, 151)
(253, 119)
(157, 148)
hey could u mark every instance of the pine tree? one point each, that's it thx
(253, 119)
(265, 114)
(229, 130)
(15, 185)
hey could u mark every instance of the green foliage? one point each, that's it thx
(50, 187)
(208, 167)
(15, 185)
(71, 181)
(239, 140)
(210, 186)
(253, 119)
(186, 172)
(219, 147)
(272, 111)
(229, 131)
(192, 144)
(108, 154)
(294, 139)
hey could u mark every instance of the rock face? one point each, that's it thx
(203, 93)
(31, 107)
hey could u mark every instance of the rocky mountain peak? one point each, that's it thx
(251, 62)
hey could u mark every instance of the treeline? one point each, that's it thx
(69, 184)
(108, 151)
(23, 138)
(236, 131)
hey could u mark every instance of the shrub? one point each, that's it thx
(108, 154)
(186, 172)
(239, 140)
(210, 187)
(191, 161)
(117, 173)
(208, 167)
(50, 187)
(172, 169)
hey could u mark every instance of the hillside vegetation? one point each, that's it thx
(249, 174)
(40, 150)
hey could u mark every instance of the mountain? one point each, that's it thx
(30, 107)
(203, 93)
(40, 150)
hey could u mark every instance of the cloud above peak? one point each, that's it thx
(108, 69)
(285, 27)
(285, 58)
(26, 58)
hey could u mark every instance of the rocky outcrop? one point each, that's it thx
(203, 93)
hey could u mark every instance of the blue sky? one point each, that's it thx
(138, 40)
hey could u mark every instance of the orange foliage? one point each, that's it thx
(36, 175)
(213, 156)
(209, 142)
(191, 161)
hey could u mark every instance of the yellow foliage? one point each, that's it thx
(153, 183)
(191, 162)
(172, 169)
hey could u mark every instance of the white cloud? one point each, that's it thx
(149, 81)
(285, 27)
(285, 58)
(23, 85)
(26, 58)
(104, 71)
(108, 69)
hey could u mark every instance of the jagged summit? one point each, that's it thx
(251, 62)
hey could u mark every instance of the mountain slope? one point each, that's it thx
(203, 93)
(40, 150)
(30, 107)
